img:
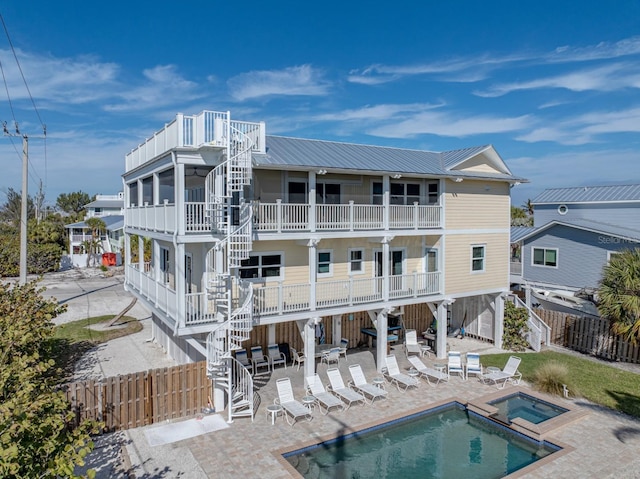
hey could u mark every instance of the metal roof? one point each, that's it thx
(589, 194)
(112, 222)
(105, 204)
(306, 154)
(519, 232)
(595, 226)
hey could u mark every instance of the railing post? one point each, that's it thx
(279, 218)
(351, 215)
(415, 215)
(351, 291)
(280, 297)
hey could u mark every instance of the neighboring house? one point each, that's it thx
(109, 208)
(576, 232)
(255, 237)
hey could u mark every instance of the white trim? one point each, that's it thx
(427, 250)
(545, 249)
(563, 209)
(480, 231)
(611, 253)
(362, 261)
(331, 260)
(484, 258)
(259, 266)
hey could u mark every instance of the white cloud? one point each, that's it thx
(601, 51)
(377, 112)
(301, 80)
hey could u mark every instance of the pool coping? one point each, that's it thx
(564, 448)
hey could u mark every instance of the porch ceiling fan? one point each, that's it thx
(195, 172)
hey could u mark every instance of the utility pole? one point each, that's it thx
(24, 197)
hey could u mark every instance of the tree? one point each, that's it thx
(94, 246)
(519, 217)
(527, 206)
(73, 203)
(11, 211)
(619, 294)
(36, 439)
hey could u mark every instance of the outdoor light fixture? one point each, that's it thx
(397, 176)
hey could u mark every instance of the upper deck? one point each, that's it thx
(208, 128)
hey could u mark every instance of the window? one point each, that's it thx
(165, 265)
(325, 267)
(297, 192)
(133, 194)
(147, 191)
(377, 193)
(328, 193)
(356, 257)
(431, 260)
(404, 193)
(545, 257)
(166, 183)
(433, 196)
(477, 258)
(562, 209)
(265, 266)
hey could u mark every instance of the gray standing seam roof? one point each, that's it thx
(589, 194)
(305, 153)
(602, 228)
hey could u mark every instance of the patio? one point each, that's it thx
(605, 443)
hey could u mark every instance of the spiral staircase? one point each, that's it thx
(231, 219)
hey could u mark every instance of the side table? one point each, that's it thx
(274, 410)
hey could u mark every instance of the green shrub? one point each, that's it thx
(515, 327)
(552, 377)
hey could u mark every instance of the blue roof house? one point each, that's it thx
(576, 232)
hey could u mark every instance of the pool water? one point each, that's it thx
(527, 407)
(446, 442)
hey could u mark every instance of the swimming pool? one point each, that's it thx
(444, 442)
(527, 407)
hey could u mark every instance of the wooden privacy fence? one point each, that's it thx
(589, 335)
(143, 398)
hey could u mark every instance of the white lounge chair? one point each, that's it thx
(393, 375)
(360, 384)
(259, 360)
(293, 409)
(348, 396)
(411, 344)
(454, 365)
(330, 356)
(428, 373)
(509, 373)
(276, 356)
(296, 358)
(324, 399)
(473, 366)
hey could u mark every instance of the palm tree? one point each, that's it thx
(619, 294)
(93, 246)
(527, 206)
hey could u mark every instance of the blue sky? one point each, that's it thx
(554, 86)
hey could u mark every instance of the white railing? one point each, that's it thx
(205, 128)
(279, 217)
(196, 220)
(159, 218)
(159, 294)
(281, 298)
(515, 268)
(539, 331)
(200, 308)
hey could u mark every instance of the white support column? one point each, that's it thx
(312, 201)
(441, 333)
(309, 338)
(313, 268)
(271, 334)
(179, 199)
(180, 283)
(385, 268)
(498, 328)
(336, 326)
(381, 340)
(386, 200)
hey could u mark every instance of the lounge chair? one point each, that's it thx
(276, 356)
(411, 344)
(428, 373)
(293, 409)
(348, 396)
(509, 373)
(454, 365)
(324, 399)
(330, 356)
(296, 358)
(259, 360)
(242, 358)
(360, 384)
(473, 366)
(393, 375)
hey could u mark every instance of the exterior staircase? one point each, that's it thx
(230, 217)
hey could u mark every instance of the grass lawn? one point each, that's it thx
(72, 340)
(594, 381)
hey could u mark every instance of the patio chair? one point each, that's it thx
(411, 345)
(330, 356)
(348, 396)
(360, 384)
(344, 344)
(428, 373)
(293, 409)
(454, 365)
(276, 356)
(259, 360)
(296, 358)
(393, 375)
(242, 358)
(323, 398)
(473, 366)
(509, 373)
